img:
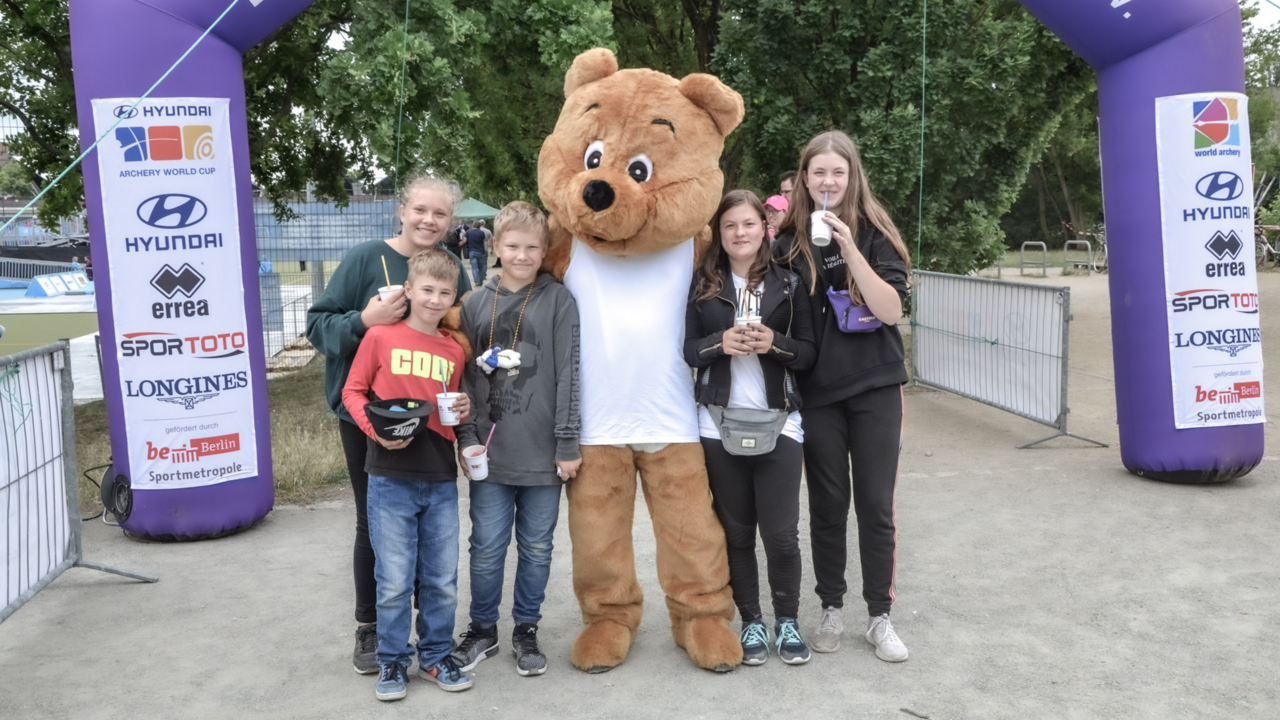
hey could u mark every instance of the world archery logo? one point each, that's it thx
(1216, 122)
(166, 142)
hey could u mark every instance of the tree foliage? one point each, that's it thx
(997, 82)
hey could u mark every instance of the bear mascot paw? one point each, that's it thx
(631, 177)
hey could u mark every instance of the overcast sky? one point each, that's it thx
(1269, 16)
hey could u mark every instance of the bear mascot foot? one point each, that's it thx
(601, 646)
(710, 642)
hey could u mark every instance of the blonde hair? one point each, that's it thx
(858, 203)
(436, 263)
(520, 215)
(448, 187)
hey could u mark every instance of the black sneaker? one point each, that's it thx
(477, 644)
(365, 657)
(524, 645)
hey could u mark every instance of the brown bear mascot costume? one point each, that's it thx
(631, 176)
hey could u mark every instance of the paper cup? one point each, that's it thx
(746, 319)
(477, 459)
(819, 230)
(444, 405)
(388, 291)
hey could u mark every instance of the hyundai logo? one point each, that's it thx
(125, 112)
(172, 211)
(1221, 186)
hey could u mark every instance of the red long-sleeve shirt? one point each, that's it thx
(396, 361)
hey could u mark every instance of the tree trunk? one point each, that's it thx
(1040, 192)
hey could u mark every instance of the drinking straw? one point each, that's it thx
(486, 442)
(824, 209)
(388, 275)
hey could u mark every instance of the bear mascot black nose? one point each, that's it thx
(598, 195)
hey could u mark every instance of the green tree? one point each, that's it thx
(1262, 84)
(15, 181)
(36, 89)
(997, 83)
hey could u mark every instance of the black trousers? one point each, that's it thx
(866, 428)
(355, 447)
(759, 492)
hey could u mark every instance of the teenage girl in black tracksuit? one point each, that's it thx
(752, 366)
(853, 394)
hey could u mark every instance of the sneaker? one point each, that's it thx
(524, 645)
(392, 683)
(365, 657)
(447, 674)
(755, 643)
(888, 646)
(829, 628)
(477, 644)
(791, 647)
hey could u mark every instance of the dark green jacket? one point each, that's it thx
(333, 322)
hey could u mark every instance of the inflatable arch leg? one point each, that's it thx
(175, 256)
(1144, 50)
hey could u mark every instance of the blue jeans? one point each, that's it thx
(413, 525)
(495, 508)
(479, 266)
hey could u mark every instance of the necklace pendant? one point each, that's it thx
(492, 360)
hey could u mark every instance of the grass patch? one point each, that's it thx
(30, 330)
(306, 453)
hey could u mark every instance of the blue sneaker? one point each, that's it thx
(447, 674)
(792, 649)
(392, 683)
(755, 642)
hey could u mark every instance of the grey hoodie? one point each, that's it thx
(536, 405)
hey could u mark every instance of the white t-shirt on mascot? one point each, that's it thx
(636, 386)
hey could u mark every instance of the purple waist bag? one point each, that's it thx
(850, 317)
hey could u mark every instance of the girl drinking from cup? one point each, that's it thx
(852, 261)
(366, 290)
(748, 328)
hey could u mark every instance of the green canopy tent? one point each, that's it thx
(472, 209)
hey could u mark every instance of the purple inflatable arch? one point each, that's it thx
(1144, 50)
(175, 257)
(179, 313)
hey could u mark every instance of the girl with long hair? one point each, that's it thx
(747, 331)
(857, 281)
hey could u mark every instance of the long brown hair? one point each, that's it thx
(715, 261)
(858, 203)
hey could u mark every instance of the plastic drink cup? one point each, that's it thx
(388, 291)
(477, 459)
(444, 406)
(819, 230)
(746, 319)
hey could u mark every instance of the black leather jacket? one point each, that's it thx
(784, 309)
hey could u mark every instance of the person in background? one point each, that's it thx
(853, 395)
(336, 325)
(456, 237)
(75, 263)
(88, 266)
(747, 329)
(477, 253)
(775, 208)
(786, 183)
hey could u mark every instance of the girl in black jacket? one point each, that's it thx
(853, 393)
(748, 328)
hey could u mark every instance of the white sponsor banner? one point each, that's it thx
(173, 243)
(1206, 205)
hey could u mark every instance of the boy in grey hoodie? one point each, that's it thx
(524, 328)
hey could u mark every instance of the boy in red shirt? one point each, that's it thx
(413, 482)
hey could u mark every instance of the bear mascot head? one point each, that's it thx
(631, 176)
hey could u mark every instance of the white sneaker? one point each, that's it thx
(827, 639)
(888, 646)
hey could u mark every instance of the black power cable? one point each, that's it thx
(98, 485)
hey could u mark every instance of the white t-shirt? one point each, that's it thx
(747, 389)
(636, 386)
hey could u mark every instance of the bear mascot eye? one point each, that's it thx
(595, 152)
(640, 168)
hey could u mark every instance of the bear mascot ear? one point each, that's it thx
(594, 64)
(707, 92)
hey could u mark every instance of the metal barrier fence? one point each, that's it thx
(1001, 343)
(40, 530)
(16, 269)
